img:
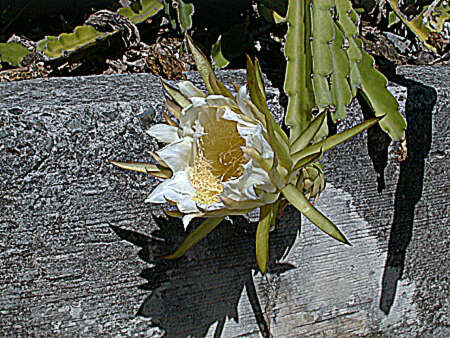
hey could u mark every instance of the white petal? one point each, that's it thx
(220, 101)
(241, 97)
(212, 206)
(189, 90)
(164, 133)
(189, 217)
(157, 195)
(230, 115)
(181, 191)
(178, 155)
(177, 189)
(243, 188)
(254, 137)
(189, 115)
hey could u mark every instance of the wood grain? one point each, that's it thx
(65, 269)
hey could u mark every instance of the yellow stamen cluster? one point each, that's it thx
(207, 186)
(219, 158)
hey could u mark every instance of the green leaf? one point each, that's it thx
(364, 77)
(341, 91)
(13, 53)
(260, 82)
(194, 237)
(298, 85)
(278, 139)
(185, 12)
(262, 237)
(277, 143)
(299, 201)
(334, 140)
(274, 129)
(322, 33)
(210, 79)
(145, 168)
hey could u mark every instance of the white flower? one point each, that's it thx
(207, 157)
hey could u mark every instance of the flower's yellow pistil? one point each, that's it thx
(219, 159)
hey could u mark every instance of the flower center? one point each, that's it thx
(207, 186)
(219, 158)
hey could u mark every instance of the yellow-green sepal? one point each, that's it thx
(176, 95)
(255, 84)
(334, 140)
(145, 168)
(210, 79)
(301, 203)
(173, 107)
(303, 162)
(308, 134)
(194, 237)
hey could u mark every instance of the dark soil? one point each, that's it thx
(160, 49)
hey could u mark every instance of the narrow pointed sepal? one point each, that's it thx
(334, 140)
(210, 79)
(255, 85)
(194, 237)
(173, 107)
(308, 160)
(176, 95)
(145, 168)
(308, 134)
(169, 120)
(173, 213)
(301, 203)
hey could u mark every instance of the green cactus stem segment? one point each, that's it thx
(298, 85)
(13, 53)
(262, 238)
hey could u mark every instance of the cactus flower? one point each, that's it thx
(208, 156)
(225, 155)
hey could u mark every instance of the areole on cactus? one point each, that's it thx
(225, 155)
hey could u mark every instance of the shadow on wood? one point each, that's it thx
(420, 103)
(205, 286)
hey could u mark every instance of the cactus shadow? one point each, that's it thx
(419, 106)
(191, 294)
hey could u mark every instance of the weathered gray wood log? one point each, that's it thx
(64, 269)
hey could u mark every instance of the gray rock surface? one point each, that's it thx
(64, 210)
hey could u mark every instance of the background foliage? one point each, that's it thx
(402, 31)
